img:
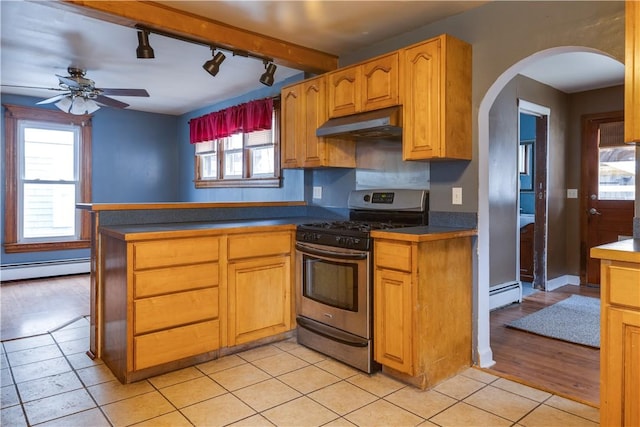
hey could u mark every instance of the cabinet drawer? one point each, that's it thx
(174, 344)
(393, 255)
(259, 244)
(152, 314)
(174, 279)
(624, 283)
(164, 253)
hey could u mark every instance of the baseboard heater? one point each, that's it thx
(504, 294)
(34, 270)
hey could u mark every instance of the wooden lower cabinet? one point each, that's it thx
(259, 286)
(422, 308)
(170, 302)
(619, 334)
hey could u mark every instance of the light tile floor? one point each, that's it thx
(48, 380)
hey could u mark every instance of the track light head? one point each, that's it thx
(144, 50)
(267, 77)
(212, 66)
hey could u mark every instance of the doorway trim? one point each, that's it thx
(540, 184)
(483, 352)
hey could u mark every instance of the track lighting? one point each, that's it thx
(267, 77)
(212, 66)
(144, 50)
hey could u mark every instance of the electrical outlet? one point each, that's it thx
(572, 193)
(317, 192)
(456, 195)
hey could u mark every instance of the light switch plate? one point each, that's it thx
(456, 195)
(572, 193)
(317, 192)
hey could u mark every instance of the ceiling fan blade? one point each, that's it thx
(110, 102)
(36, 87)
(124, 92)
(53, 99)
(69, 82)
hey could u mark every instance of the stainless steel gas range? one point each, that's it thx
(334, 274)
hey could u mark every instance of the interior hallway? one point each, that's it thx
(47, 380)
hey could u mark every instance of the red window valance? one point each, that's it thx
(248, 117)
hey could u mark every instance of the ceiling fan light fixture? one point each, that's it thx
(267, 77)
(212, 66)
(144, 50)
(77, 105)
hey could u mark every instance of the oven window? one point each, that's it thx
(329, 282)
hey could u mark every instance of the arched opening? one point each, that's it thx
(484, 352)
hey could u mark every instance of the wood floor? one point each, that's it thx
(33, 307)
(566, 369)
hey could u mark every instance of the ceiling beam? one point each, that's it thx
(207, 31)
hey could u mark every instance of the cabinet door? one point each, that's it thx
(620, 368)
(344, 92)
(259, 304)
(422, 99)
(291, 126)
(380, 83)
(315, 100)
(393, 320)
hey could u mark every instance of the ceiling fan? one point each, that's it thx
(81, 96)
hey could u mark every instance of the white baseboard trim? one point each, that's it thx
(562, 281)
(34, 270)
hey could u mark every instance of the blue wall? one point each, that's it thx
(134, 157)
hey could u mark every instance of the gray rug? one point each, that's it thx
(575, 319)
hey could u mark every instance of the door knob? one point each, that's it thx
(594, 211)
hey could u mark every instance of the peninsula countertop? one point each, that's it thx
(624, 250)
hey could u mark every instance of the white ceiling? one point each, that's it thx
(39, 41)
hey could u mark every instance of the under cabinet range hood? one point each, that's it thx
(379, 124)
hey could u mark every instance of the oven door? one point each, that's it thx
(333, 287)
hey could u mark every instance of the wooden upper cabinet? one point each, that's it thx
(632, 72)
(436, 88)
(364, 87)
(304, 110)
(291, 127)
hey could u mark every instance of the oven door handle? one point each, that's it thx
(325, 253)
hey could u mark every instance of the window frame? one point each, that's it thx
(273, 181)
(13, 114)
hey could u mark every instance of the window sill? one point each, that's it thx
(12, 248)
(230, 183)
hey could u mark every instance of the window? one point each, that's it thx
(617, 164)
(48, 171)
(242, 159)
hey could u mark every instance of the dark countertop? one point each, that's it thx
(424, 233)
(192, 229)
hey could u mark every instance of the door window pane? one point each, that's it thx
(617, 173)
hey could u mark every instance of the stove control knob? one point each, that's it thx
(367, 197)
(310, 237)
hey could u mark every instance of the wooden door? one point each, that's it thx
(380, 83)
(315, 107)
(608, 177)
(540, 235)
(421, 76)
(291, 126)
(259, 298)
(344, 92)
(393, 320)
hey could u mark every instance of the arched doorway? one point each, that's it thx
(484, 352)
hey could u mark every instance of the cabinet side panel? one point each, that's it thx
(444, 308)
(456, 100)
(114, 308)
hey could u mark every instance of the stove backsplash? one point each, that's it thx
(379, 164)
